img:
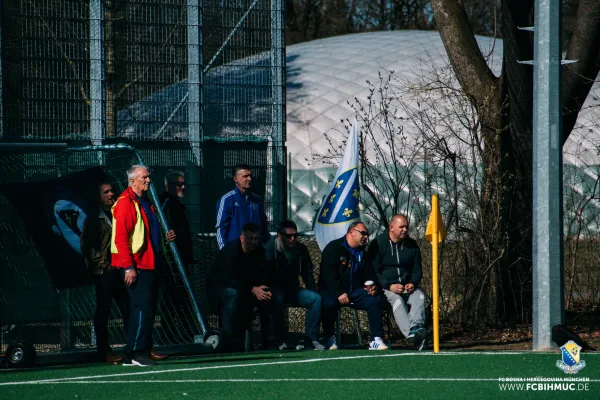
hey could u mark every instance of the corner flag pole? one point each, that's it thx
(435, 233)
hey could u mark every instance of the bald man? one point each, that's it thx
(396, 259)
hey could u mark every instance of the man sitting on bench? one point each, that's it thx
(345, 269)
(292, 264)
(239, 281)
(397, 261)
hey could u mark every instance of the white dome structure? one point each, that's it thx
(324, 76)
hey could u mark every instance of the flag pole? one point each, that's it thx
(434, 273)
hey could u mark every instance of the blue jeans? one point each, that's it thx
(300, 297)
(361, 300)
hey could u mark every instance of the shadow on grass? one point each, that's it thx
(489, 344)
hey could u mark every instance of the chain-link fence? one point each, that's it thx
(198, 75)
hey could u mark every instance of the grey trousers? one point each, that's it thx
(404, 319)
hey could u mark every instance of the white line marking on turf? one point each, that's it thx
(272, 380)
(268, 363)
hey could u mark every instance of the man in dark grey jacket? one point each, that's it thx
(396, 259)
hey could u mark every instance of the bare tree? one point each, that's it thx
(505, 107)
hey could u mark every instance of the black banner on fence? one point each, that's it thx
(53, 213)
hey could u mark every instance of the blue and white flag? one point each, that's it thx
(340, 207)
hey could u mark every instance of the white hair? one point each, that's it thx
(132, 172)
(172, 176)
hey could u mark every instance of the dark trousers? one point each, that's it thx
(235, 313)
(109, 286)
(139, 332)
(361, 300)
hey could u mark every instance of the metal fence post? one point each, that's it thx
(194, 82)
(547, 175)
(96, 71)
(277, 183)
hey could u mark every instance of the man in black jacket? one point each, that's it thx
(174, 210)
(292, 265)
(95, 246)
(345, 272)
(240, 281)
(397, 261)
(175, 305)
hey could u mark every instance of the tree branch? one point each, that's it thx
(579, 77)
(472, 71)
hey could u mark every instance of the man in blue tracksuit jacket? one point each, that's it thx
(240, 207)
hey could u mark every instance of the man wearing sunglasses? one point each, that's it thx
(345, 269)
(175, 327)
(175, 213)
(397, 261)
(293, 266)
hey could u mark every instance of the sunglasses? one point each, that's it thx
(290, 235)
(363, 233)
(178, 184)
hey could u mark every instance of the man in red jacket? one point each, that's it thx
(136, 250)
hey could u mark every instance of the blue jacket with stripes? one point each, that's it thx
(234, 210)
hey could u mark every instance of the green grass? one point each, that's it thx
(298, 375)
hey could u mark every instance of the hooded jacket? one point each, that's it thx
(337, 273)
(286, 272)
(396, 262)
(131, 242)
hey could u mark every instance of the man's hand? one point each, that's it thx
(410, 288)
(372, 290)
(130, 276)
(397, 288)
(344, 299)
(170, 236)
(262, 293)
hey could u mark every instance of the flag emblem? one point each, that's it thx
(340, 206)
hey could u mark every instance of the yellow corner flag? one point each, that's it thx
(435, 233)
(435, 224)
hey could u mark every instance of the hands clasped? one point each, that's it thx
(262, 293)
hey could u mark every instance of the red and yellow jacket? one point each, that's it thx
(130, 242)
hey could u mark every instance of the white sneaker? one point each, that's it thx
(283, 346)
(377, 344)
(331, 343)
(318, 346)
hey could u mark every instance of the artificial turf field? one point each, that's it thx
(343, 374)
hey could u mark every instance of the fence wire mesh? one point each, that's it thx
(196, 74)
